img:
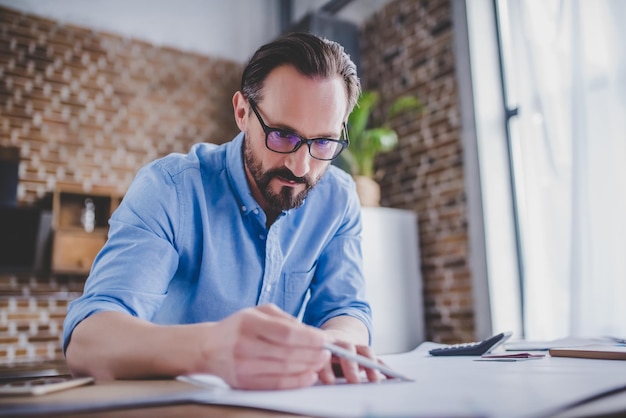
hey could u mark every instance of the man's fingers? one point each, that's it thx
(263, 349)
(263, 366)
(372, 374)
(327, 375)
(349, 369)
(270, 323)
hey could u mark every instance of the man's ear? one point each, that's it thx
(240, 108)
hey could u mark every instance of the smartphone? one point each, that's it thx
(43, 385)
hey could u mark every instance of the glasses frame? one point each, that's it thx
(343, 143)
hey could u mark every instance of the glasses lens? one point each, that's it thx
(286, 142)
(325, 149)
(281, 141)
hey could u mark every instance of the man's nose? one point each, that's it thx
(299, 162)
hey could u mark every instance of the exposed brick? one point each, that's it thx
(72, 97)
(22, 303)
(21, 353)
(8, 340)
(21, 316)
(407, 48)
(43, 337)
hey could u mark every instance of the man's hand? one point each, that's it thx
(342, 367)
(349, 333)
(265, 348)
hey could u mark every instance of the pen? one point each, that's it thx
(364, 361)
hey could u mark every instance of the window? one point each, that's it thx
(564, 78)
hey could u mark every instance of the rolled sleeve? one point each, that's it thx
(131, 273)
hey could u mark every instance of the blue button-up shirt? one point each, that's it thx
(189, 244)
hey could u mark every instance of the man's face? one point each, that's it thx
(311, 108)
(287, 197)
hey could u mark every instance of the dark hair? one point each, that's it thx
(310, 55)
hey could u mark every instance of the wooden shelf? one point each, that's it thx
(74, 245)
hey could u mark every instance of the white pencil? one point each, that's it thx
(364, 361)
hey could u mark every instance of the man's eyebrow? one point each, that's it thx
(286, 128)
(291, 130)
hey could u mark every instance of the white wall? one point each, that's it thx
(230, 29)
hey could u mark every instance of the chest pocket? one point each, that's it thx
(296, 285)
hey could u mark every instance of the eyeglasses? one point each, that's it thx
(284, 141)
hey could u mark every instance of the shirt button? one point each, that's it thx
(268, 287)
(243, 208)
(256, 211)
(262, 237)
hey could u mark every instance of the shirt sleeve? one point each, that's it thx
(338, 287)
(132, 272)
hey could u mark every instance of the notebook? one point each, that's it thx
(605, 352)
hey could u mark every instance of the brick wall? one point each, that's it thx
(32, 310)
(407, 47)
(88, 109)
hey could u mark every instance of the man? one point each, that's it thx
(211, 256)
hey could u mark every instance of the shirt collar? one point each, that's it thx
(237, 174)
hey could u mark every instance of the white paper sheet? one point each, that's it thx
(561, 342)
(444, 386)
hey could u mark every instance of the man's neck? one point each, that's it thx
(270, 214)
(271, 217)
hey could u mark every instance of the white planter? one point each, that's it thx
(393, 278)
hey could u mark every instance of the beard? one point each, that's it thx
(286, 198)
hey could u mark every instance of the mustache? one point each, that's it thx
(287, 174)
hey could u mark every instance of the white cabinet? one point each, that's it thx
(393, 278)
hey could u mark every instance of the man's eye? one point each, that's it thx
(324, 144)
(286, 135)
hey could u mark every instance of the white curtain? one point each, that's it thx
(566, 70)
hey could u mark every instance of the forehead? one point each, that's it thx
(312, 105)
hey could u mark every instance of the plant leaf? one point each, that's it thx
(358, 119)
(404, 104)
(368, 138)
(383, 139)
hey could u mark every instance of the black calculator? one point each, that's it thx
(472, 349)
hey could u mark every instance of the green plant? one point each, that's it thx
(366, 139)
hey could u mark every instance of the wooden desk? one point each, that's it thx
(125, 399)
(184, 410)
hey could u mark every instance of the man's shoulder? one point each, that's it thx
(201, 156)
(336, 190)
(336, 178)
